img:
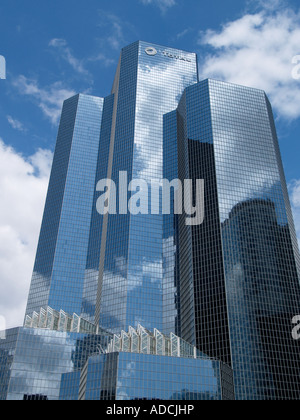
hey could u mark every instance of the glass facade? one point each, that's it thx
(220, 296)
(127, 376)
(242, 263)
(59, 271)
(140, 365)
(171, 271)
(91, 276)
(33, 360)
(131, 272)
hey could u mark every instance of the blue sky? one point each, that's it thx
(55, 49)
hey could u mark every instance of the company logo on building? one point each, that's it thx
(176, 56)
(152, 52)
(2, 67)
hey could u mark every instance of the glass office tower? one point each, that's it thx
(226, 288)
(149, 83)
(239, 270)
(59, 271)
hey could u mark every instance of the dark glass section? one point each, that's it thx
(184, 239)
(202, 281)
(35, 397)
(258, 240)
(266, 291)
(245, 253)
(211, 320)
(239, 285)
(171, 271)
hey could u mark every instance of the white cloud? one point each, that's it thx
(257, 50)
(114, 32)
(296, 193)
(271, 5)
(15, 124)
(183, 33)
(49, 99)
(115, 40)
(66, 53)
(164, 5)
(103, 58)
(23, 186)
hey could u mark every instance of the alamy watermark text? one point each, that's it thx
(296, 329)
(152, 198)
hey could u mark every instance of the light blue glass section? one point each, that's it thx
(33, 361)
(132, 281)
(58, 277)
(133, 377)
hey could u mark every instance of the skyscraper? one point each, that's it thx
(117, 294)
(59, 271)
(239, 270)
(148, 84)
